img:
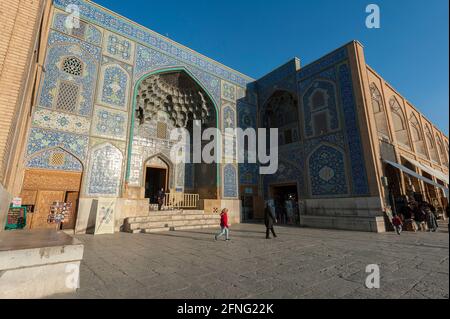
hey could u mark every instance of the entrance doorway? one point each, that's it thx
(42, 188)
(155, 179)
(247, 207)
(286, 203)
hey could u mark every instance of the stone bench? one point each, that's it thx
(38, 263)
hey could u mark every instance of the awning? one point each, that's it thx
(439, 175)
(414, 174)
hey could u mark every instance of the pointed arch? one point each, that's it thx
(399, 122)
(443, 154)
(416, 134)
(379, 111)
(215, 121)
(114, 86)
(166, 160)
(320, 111)
(431, 144)
(55, 158)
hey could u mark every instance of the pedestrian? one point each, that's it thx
(398, 224)
(419, 216)
(269, 220)
(161, 196)
(224, 226)
(431, 220)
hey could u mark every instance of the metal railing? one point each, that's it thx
(180, 200)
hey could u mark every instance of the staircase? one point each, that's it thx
(160, 221)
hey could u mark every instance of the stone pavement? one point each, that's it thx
(300, 263)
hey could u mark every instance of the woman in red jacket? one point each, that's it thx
(224, 226)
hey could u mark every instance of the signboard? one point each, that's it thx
(17, 202)
(105, 220)
(16, 218)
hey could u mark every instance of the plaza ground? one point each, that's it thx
(300, 263)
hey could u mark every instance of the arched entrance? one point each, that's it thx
(157, 172)
(53, 176)
(167, 100)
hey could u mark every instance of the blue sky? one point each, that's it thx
(411, 50)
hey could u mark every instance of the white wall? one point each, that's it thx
(5, 199)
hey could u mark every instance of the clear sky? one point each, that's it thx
(410, 50)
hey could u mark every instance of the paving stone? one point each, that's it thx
(301, 263)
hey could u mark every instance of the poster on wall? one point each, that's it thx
(105, 220)
(16, 218)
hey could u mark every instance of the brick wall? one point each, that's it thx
(19, 22)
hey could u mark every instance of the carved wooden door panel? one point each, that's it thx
(44, 200)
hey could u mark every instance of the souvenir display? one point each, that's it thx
(59, 213)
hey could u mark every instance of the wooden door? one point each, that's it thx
(71, 197)
(44, 200)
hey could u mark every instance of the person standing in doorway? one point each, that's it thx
(224, 226)
(160, 197)
(269, 220)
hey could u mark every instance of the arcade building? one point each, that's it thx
(87, 113)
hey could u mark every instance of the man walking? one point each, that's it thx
(269, 220)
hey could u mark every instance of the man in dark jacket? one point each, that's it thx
(269, 220)
(160, 197)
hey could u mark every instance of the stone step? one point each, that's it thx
(172, 223)
(154, 230)
(175, 212)
(158, 221)
(197, 227)
(179, 228)
(156, 218)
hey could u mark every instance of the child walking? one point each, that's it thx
(224, 227)
(398, 224)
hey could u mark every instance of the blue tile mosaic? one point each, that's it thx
(109, 21)
(115, 86)
(229, 117)
(61, 47)
(229, 181)
(89, 33)
(41, 139)
(148, 60)
(357, 162)
(326, 170)
(45, 160)
(109, 123)
(105, 171)
(329, 90)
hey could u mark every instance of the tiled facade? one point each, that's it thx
(85, 119)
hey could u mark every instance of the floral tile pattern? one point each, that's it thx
(109, 123)
(114, 86)
(46, 160)
(133, 31)
(327, 174)
(41, 139)
(105, 171)
(61, 121)
(118, 47)
(230, 181)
